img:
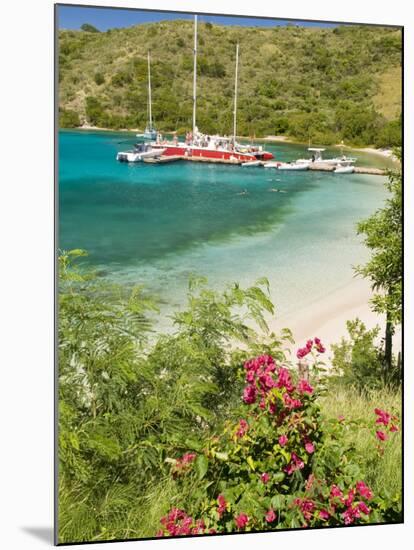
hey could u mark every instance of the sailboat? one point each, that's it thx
(150, 132)
(212, 147)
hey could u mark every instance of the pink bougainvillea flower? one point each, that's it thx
(364, 490)
(283, 440)
(306, 506)
(383, 417)
(265, 477)
(363, 508)
(350, 514)
(324, 514)
(270, 516)
(160, 533)
(309, 447)
(336, 492)
(350, 498)
(295, 463)
(284, 380)
(249, 395)
(304, 387)
(188, 458)
(382, 436)
(341, 418)
(394, 428)
(290, 402)
(241, 521)
(222, 505)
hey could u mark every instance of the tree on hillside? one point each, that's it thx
(383, 236)
(89, 28)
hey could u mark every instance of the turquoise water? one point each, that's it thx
(155, 225)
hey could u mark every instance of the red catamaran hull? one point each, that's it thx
(172, 150)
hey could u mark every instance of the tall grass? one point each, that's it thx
(382, 472)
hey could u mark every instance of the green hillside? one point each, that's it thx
(306, 83)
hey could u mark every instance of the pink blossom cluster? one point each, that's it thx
(241, 521)
(262, 375)
(388, 421)
(296, 463)
(177, 523)
(306, 506)
(354, 506)
(350, 506)
(310, 344)
(222, 505)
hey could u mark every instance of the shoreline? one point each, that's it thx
(326, 318)
(384, 152)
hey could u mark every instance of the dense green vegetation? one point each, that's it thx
(147, 423)
(383, 236)
(325, 85)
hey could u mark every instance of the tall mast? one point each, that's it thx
(149, 92)
(195, 77)
(235, 95)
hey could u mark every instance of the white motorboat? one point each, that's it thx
(139, 153)
(344, 169)
(292, 166)
(317, 158)
(271, 164)
(252, 163)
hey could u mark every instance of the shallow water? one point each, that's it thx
(155, 225)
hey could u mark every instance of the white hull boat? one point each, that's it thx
(344, 169)
(292, 166)
(252, 163)
(272, 164)
(138, 154)
(317, 158)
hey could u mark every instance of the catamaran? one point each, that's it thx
(212, 147)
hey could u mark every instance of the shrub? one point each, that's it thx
(89, 28)
(278, 466)
(68, 118)
(99, 78)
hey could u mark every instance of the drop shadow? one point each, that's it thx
(44, 534)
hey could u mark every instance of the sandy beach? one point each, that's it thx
(327, 318)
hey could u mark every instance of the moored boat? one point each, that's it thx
(140, 152)
(252, 163)
(316, 157)
(214, 147)
(292, 166)
(344, 169)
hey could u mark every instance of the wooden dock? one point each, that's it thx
(321, 167)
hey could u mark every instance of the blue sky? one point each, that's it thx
(72, 17)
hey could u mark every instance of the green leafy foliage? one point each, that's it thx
(383, 236)
(89, 28)
(359, 361)
(148, 422)
(125, 405)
